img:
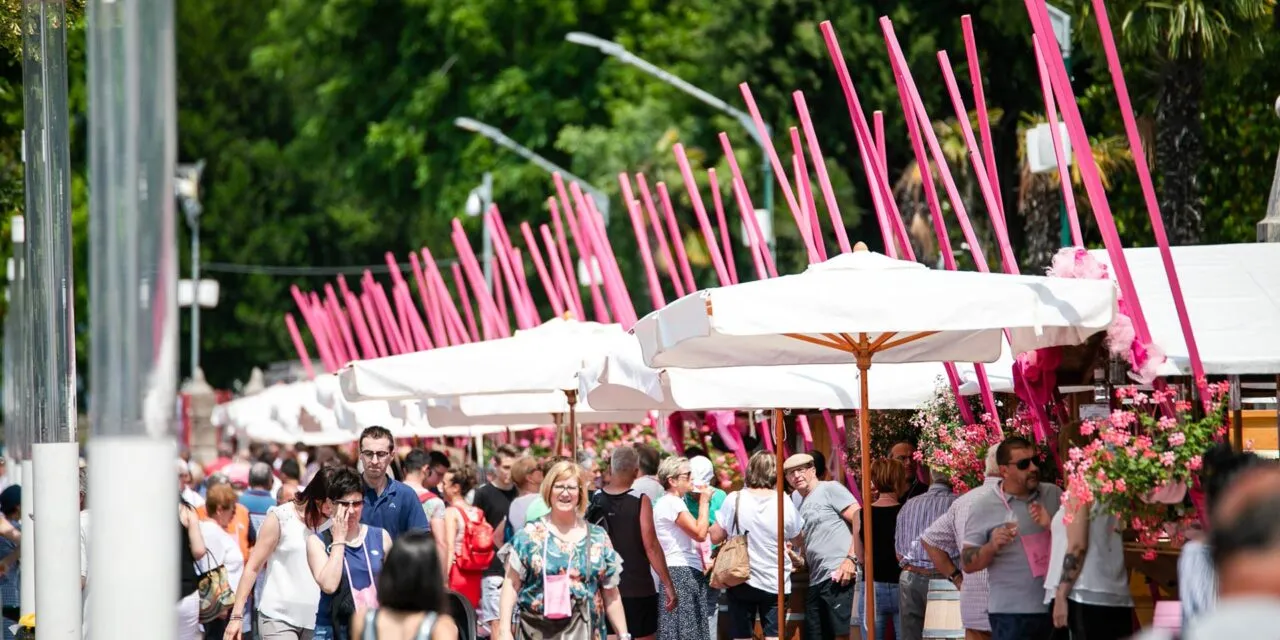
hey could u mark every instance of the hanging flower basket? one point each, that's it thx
(1142, 461)
(948, 445)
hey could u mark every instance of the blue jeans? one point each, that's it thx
(886, 607)
(1021, 626)
(328, 632)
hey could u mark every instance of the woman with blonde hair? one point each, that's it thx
(889, 477)
(557, 566)
(753, 512)
(679, 534)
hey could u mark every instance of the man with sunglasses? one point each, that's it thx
(1008, 535)
(388, 503)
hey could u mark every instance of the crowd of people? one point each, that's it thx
(313, 546)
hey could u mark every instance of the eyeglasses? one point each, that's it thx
(565, 488)
(797, 470)
(1025, 463)
(349, 503)
(375, 455)
(686, 474)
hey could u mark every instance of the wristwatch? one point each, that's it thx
(624, 636)
(954, 574)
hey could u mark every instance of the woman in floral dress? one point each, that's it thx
(556, 568)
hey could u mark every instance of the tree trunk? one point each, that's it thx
(1180, 149)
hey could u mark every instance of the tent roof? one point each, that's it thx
(1233, 298)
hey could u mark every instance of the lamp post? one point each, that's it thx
(186, 188)
(1060, 22)
(492, 133)
(615, 50)
(478, 202)
(1269, 228)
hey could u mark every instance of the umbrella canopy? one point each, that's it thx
(545, 358)
(621, 381)
(863, 307)
(893, 311)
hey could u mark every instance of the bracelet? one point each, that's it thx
(239, 617)
(852, 559)
(334, 544)
(954, 574)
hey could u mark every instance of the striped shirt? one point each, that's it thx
(947, 533)
(916, 516)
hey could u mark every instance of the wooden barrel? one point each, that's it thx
(942, 612)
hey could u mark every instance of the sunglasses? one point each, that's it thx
(1025, 464)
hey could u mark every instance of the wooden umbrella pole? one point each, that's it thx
(779, 433)
(572, 396)
(864, 419)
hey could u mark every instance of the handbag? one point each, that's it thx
(732, 565)
(216, 596)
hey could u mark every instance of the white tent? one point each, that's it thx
(1232, 293)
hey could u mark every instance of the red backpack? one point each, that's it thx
(476, 551)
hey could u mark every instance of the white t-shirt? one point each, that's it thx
(221, 549)
(648, 486)
(677, 546)
(759, 520)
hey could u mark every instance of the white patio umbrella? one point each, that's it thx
(545, 359)
(620, 380)
(864, 307)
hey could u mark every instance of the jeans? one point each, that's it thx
(329, 632)
(913, 590)
(886, 607)
(1021, 626)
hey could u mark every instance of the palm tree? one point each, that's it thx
(1181, 35)
(1040, 194)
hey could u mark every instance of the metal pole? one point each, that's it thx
(1065, 229)
(54, 495)
(133, 293)
(486, 199)
(22, 411)
(195, 297)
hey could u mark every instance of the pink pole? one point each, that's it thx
(557, 272)
(531, 244)
(980, 169)
(506, 272)
(747, 209)
(340, 319)
(700, 210)
(1148, 193)
(368, 348)
(872, 164)
(299, 346)
(1088, 169)
(592, 225)
(779, 171)
(461, 284)
(806, 434)
(453, 327)
(1059, 153)
(726, 244)
(676, 238)
(522, 277)
(877, 118)
(980, 99)
(891, 249)
(430, 304)
(516, 266)
(484, 299)
(664, 251)
(840, 455)
(417, 337)
(744, 208)
(331, 336)
(397, 279)
(395, 340)
(807, 203)
(824, 180)
(316, 328)
(581, 243)
(375, 324)
(572, 292)
(497, 293)
(642, 241)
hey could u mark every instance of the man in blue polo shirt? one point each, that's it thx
(257, 498)
(388, 503)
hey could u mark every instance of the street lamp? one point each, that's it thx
(492, 133)
(186, 188)
(1060, 22)
(477, 203)
(611, 48)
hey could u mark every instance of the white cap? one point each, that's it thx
(701, 471)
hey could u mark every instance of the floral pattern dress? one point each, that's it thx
(592, 565)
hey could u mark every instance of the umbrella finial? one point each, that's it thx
(861, 246)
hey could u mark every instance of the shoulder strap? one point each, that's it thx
(737, 508)
(370, 625)
(428, 624)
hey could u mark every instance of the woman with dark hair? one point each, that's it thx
(287, 601)
(459, 480)
(346, 559)
(411, 600)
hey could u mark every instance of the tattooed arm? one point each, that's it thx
(1073, 561)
